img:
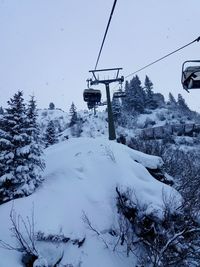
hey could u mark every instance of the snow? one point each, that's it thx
(5, 141)
(58, 116)
(9, 155)
(40, 262)
(23, 150)
(22, 168)
(153, 116)
(7, 176)
(96, 125)
(80, 178)
(18, 137)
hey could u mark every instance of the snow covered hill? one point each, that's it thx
(58, 116)
(80, 183)
(92, 125)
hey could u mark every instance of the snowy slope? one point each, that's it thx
(58, 116)
(80, 177)
(97, 126)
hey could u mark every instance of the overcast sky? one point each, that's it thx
(48, 46)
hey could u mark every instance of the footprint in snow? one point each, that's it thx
(77, 154)
(79, 172)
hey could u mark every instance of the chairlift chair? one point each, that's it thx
(119, 94)
(191, 75)
(92, 95)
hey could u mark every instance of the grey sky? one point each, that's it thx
(48, 46)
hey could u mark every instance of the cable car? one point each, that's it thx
(191, 75)
(92, 95)
(119, 94)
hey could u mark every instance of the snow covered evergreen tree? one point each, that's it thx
(5, 152)
(51, 106)
(35, 156)
(149, 99)
(1, 111)
(125, 100)
(182, 104)
(135, 96)
(116, 109)
(172, 100)
(50, 137)
(73, 114)
(19, 175)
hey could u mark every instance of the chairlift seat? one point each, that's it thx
(92, 95)
(191, 77)
(119, 94)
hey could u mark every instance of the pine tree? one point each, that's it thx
(172, 100)
(73, 114)
(5, 150)
(51, 106)
(50, 135)
(149, 100)
(135, 96)
(35, 155)
(182, 104)
(116, 109)
(125, 101)
(16, 176)
(1, 111)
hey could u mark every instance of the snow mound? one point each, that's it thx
(80, 178)
(59, 117)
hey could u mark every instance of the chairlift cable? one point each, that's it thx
(154, 62)
(105, 34)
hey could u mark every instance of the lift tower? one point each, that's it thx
(95, 81)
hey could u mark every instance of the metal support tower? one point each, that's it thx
(96, 81)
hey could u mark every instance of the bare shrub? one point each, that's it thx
(24, 233)
(88, 223)
(159, 242)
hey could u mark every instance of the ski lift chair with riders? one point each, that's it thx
(92, 95)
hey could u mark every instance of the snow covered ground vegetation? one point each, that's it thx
(77, 215)
(130, 203)
(20, 151)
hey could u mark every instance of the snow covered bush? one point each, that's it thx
(76, 129)
(161, 116)
(158, 240)
(151, 147)
(27, 242)
(121, 139)
(20, 151)
(149, 122)
(183, 165)
(50, 136)
(24, 234)
(44, 113)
